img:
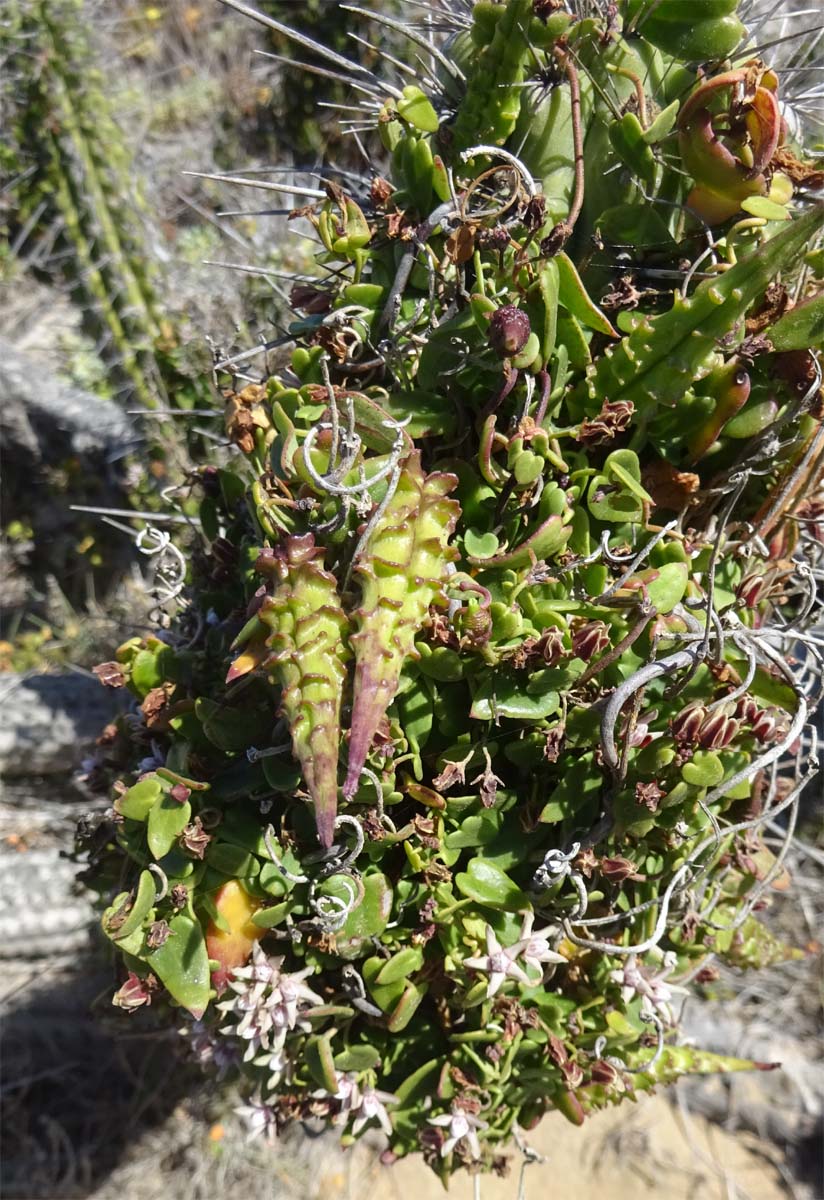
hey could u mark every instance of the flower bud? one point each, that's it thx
(605, 1074)
(509, 330)
(717, 730)
(764, 727)
(685, 725)
(589, 639)
(616, 870)
(751, 589)
(747, 710)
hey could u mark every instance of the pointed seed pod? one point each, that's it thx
(402, 571)
(308, 629)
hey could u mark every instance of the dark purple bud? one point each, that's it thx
(210, 481)
(616, 870)
(225, 553)
(764, 727)
(747, 710)
(604, 1073)
(730, 733)
(310, 299)
(751, 589)
(717, 730)
(509, 330)
(685, 725)
(493, 239)
(589, 639)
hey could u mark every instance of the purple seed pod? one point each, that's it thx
(747, 710)
(509, 330)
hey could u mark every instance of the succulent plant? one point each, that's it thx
(494, 660)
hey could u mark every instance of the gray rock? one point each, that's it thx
(47, 722)
(42, 417)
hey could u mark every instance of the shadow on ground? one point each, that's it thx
(76, 1094)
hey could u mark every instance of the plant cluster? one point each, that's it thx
(450, 777)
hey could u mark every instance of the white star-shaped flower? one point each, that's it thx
(656, 994)
(497, 963)
(372, 1106)
(462, 1126)
(533, 947)
(259, 1119)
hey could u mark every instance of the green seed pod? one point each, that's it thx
(403, 571)
(307, 640)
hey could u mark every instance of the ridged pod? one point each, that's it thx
(673, 1063)
(309, 652)
(402, 572)
(662, 357)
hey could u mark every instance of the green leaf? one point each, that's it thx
(167, 819)
(487, 884)
(152, 667)
(479, 829)
(231, 860)
(143, 904)
(768, 210)
(416, 1084)
(480, 545)
(624, 465)
(357, 1058)
(505, 696)
(268, 918)
(317, 1054)
(802, 328)
(703, 770)
(182, 964)
(232, 728)
(668, 586)
(140, 799)
(663, 124)
(575, 298)
(577, 792)
(767, 688)
(369, 919)
(414, 107)
(406, 1007)
(440, 663)
(547, 540)
(401, 965)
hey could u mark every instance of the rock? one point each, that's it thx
(42, 418)
(49, 721)
(42, 912)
